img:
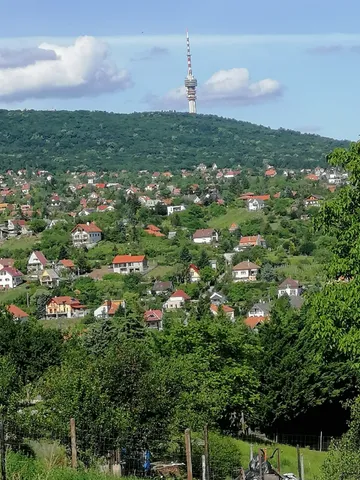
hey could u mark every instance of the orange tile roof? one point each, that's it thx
(16, 311)
(252, 322)
(67, 263)
(225, 308)
(89, 228)
(128, 258)
(154, 233)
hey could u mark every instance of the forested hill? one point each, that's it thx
(61, 140)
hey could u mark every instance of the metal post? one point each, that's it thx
(188, 454)
(251, 451)
(299, 461)
(206, 452)
(278, 460)
(260, 465)
(2, 451)
(321, 441)
(302, 467)
(203, 467)
(73, 443)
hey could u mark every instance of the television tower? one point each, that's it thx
(190, 80)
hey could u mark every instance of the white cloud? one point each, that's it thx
(80, 69)
(231, 87)
(150, 54)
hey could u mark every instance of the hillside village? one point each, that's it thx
(77, 247)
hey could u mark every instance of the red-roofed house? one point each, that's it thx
(153, 319)
(229, 312)
(25, 188)
(271, 172)
(65, 263)
(312, 177)
(176, 300)
(10, 277)
(253, 322)
(6, 262)
(126, 264)
(252, 241)
(86, 234)
(108, 308)
(65, 306)
(36, 263)
(17, 313)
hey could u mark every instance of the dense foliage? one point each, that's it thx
(97, 140)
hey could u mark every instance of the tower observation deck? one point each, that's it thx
(190, 80)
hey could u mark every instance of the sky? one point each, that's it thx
(285, 63)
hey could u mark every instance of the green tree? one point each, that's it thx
(203, 260)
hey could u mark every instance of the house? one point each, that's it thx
(109, 308)
(17, 313)
(245, 272)
(253, 322)
(206, 235)
(229, 312)
(217, 299)
(312, 201)
(66, 307)
(49, 278)
(271, 172)
(290, 287)
(6, 262)
(86, 234)
(254, 204)
(25, 189)
(10, 277)
(17, 227)
(175, 209)
(177, 300)
(260, 309)
(312, 177)
(252, 241)
(125, 264)
(36, 263)
(160, 287)
(153, 230)
(105, 208)
(85, 212)
(234, 227)
(148, 202)
(153, 319)
(66, 264)
(194, 273)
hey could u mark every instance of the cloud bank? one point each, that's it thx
(331, 49)
(150, 54)
(226, 87)
(50, 71)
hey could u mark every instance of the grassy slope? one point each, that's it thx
(313, 460)
(9, 295)
(233, 215)
(19, 243)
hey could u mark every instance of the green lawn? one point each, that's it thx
(7, 296)
(313, 459)
(160, 271)
(19, 243)
(303, 268)
(60, 323)
(233, 215)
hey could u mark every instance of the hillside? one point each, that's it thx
(61, 140)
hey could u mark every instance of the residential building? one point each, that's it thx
(229, 312)
(6, 262)
(17, 313)
(148, 202)
(206, 235)
(255, 204)
(234, 227)
(126, 264)
(66, 307)
(49, 278)
(153, 319)
(109, 308)
(249, 242)
(17, 227)
(260, 309)
(177, 300)
(175, 209)
(217, 298)
(313, 201)
(86, 235)
(66, 264)
(290, 287)
(10, 277)
(271, 172)
(160, 287)
(245, 272)
(194, 273)
(254, 322)
(36, 263)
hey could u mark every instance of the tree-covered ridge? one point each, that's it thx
(61, 140)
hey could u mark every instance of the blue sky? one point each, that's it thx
(286, 63)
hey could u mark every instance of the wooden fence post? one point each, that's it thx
(2, 451)
(299, 460)
(73, 443)
(188, 454)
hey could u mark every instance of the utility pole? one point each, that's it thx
(206, 452)
(188, 454)
(2, 450)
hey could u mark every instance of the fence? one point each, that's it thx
(313, 442)
(129, 453)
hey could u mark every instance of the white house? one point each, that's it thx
(175, 209)
(36, 263)
(126, 264)
(176, 300)
(108, 308)
(194, 273)
(290, 287)
(148, 202)
(312, 201)
(86, 234)
(245, 272)
(255, 204)
(10, 277)
(260, 309)
(17, 227)
(206, 235)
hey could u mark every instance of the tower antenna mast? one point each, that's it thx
(190, 80)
